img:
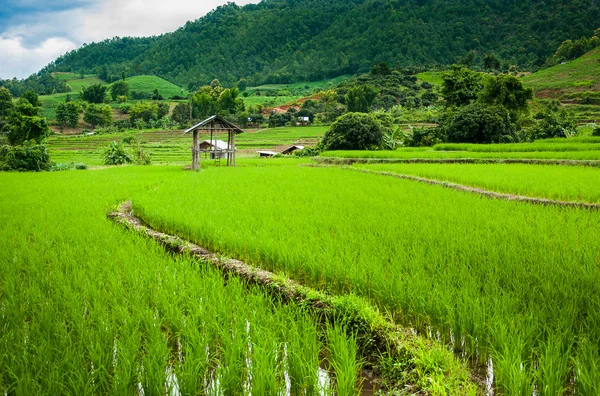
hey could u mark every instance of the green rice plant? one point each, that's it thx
(567, 183)
(591, 153)
(541, 145)
(107, 311)
(343, 358)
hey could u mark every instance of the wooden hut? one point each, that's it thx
(214, 125)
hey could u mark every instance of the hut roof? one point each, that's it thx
(215, 123)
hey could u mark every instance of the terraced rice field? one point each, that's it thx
(89, 308)
(174, 146)
(504, 281)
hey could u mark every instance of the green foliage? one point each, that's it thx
(144, 111)
(181, 114)
(6, 102)
(97, 115)
(461, 86)
(119, 88)
(353, 131)
(359, 99)
(285, 41)
(95, 93)
(569, 49)
(67, 114)
(551, 124)
(479, 123)
(25, 128)
(32, 98)
(116, 154)
(491, 62)
(508, 91)
(26, 157)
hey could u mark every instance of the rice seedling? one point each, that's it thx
(569, 183)
(87, 308)
(343, 357)
(591, 153)
(453, 265)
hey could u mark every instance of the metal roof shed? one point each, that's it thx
(214, 124)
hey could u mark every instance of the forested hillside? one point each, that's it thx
(282, 41)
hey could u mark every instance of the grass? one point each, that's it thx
(147, 84)
(434, 78)
(495, 279)
(314, 85)
(539, 146)
(88, 308)
(567, 183)
(174, 146)
(402, 154)
(269, 101)
(575, 75)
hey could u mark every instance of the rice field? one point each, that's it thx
(174, 146)
(89, 308)
(565, 183)
(508, 284)
(591, 154)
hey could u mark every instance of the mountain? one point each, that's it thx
(282, 41)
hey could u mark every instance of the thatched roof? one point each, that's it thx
(215, 123)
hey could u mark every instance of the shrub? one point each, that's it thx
(478, 123)
(115, 154)
(553, 125)
(353, 131)
(28, 157)
(81, 166)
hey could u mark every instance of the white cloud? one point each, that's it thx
(20, 61)
(33, 40)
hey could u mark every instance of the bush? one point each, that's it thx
(353, 131)
(61, 167)
(28, 157)
(478, 123)
(553, 125)
(80, 166)
(596, 131)
(115, 154)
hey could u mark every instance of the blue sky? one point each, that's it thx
(35, 32)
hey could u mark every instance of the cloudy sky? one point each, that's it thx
(35, 32)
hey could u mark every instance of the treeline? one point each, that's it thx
(283, 41)
(42, 84)
(570, 49)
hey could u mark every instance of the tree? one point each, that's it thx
(550, 124)
(162, 110)
(25, 128)
(32, 98)
(359, 99)
(381, 68)
(97, 115)
(353, 131)
(144, 111)
(461, 86)
(103, 75)
(67, 114)
(119, 88)
(6, 102)
(507, 91)
(491, 62)
(22, 107)
(479, 123)
(242, 84)
(156, 95)
(94, 93)
(181, 114)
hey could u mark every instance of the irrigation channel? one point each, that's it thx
(378, 338)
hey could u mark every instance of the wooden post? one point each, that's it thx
(233, 147)
(195, 152)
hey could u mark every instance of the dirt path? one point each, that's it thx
(379, 339)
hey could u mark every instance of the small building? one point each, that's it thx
(291, 149)
(267, 153)
(304, 121)
(216, 148)
(214, 125)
